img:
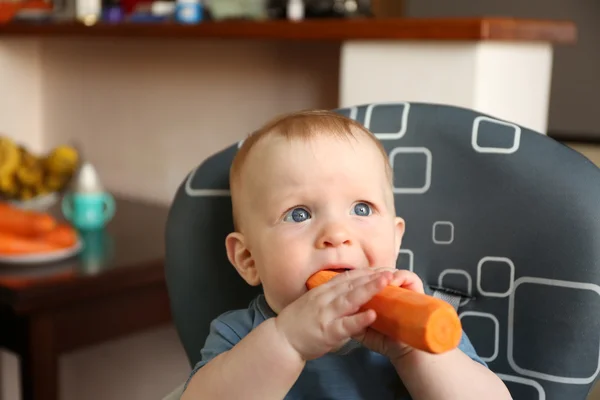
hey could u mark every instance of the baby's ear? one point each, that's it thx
(399, 227)
(241, 258)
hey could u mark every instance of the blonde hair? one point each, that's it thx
(303, 125)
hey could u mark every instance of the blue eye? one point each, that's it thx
(297, 214)
(362, 209)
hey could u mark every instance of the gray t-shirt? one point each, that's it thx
(353, 372)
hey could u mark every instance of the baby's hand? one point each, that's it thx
(327, 316)
(380, 343)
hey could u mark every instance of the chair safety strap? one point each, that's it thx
(450, 298)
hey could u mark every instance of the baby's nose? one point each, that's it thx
(333, 235)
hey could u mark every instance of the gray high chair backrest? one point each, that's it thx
(504, 215)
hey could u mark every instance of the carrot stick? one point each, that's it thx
(418, 320)
(63, 236)
(24, 222)
(13, 244)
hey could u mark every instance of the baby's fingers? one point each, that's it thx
(408, 280)
(351, 295)
(405, 279)
(351, 325)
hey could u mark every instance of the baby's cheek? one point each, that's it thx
(288, 272)
(385, 252)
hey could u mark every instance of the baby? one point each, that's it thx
(313, 191)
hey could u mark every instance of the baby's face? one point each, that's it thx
(314, 205)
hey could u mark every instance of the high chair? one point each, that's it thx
(501, 221)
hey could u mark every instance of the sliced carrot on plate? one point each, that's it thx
(63, 236)
(13, 244)
(24, 222)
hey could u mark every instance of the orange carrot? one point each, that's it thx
(420, 321)
(13, 244)
(63, 236)
(24, 222)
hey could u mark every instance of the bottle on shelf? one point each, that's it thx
(189, 11)
(88, 12)
(295, 10)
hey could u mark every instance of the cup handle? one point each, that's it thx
(67, 207)
(109, 211)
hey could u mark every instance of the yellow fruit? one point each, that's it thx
(41, 190)
(62, 160)
(6, 182)
(29, 176)
(56, 182)
(8, 185)
(10, 157)
(26, 194)
(28, 159)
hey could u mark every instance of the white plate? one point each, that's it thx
(42, 257)
(40, 203)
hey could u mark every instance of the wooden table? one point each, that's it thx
(115, 287)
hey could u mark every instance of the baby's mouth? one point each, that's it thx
(326, 273)
(338, 268)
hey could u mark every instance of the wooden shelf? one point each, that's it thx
(462, 29)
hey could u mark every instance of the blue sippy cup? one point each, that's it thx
(88, 206)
